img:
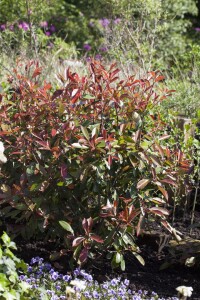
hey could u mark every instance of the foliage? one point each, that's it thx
(150, 33)
(92, 154)
(11, 287)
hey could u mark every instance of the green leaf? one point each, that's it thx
(139, 258)
(60, 183)
(123, 265)
(118, 257)
(128, 239)
(85, 132)
(5, 238)
(66, 226)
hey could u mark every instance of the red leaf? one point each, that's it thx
(96, 238)
(76, 96)
(44, 144)
(53, 132)
(37, 72)
(83, 255)
(142, 183)
(159, 211)
(110, 160)
(56, 94)
(164, 192)
(85, 226)
(159, 78)
(169, 181)
(139, 225)
(63, 170)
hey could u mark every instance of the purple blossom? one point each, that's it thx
(77, 272)
(104, 22)
(48, 33)
(197, 29)
(44, 24)
(11, 27)
(98, 57)
(88, 59)
(52, 28)
(30, 269)
(126, 282)
(114, 281)
(103, 49)
(22, 277)
(117, 21)
(87, 47)
(2, 27)
(95, 294)
(91, 24)
(66, 278)
(54, 275)
(24, 26)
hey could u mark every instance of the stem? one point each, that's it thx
(194, 205)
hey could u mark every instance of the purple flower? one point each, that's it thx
(77, 272)
(117, 21)
(88, 59)
(44, 24)
(52, 28)
(104, 22)
(35, 260)
(91, 24)
(86, 276)
(103, 49)
(98, 57)
(48, 33)
(66, 278)
(30, 269)
(24, 26)
(126, 282)
(87, 295)
(11, 27)
(22, 277)
(114, 282)
(87, 47)
(2, 27)
(95, 294)
(54, 275)
(140, 292)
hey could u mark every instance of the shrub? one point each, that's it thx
(90, 156)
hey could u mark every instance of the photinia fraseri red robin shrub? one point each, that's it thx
(88, 161)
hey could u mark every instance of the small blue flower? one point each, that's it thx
(95, 295)
(66, 278)
(54, 275)
(126, 282)
(77, 272)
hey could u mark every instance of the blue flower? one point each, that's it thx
(54, 275)
(66, 278)
(126, 282)
(95, 294)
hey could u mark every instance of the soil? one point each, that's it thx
(148, 277)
